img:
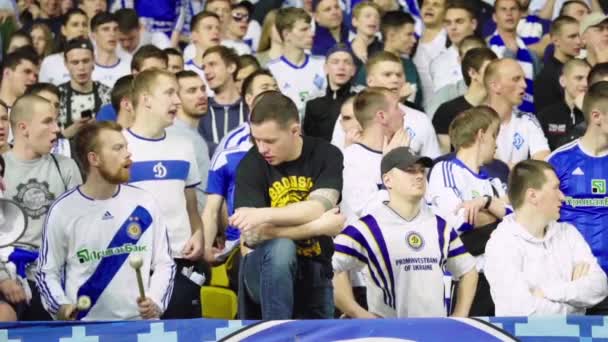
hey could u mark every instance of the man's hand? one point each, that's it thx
(71, 131)
(406, 90)
(472, 208)
(193, 250)
(67, 312)
(209, 256)
(12, 291)
(148, 309)
(399, 139)
(247, 218)
(331, 222)
(580, 270)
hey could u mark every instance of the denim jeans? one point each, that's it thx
(274, 283)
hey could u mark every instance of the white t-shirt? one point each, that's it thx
(91, 240)
(300, 83)
(190, 65)
(362, 180)
(53, 70)
(425, 54)
(166, 175)
(520, 138)
(403, 261)
(446, 69)
(254, 32)
(108, 75)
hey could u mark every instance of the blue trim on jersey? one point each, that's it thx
(107, 67)
(159, 170)
(110, 265)
(465, 227)
(355, 254)
(91, 198)
(286, 61)
(147, 139)
(480, 175)
(44, 289)
(368, 148)
(231, 136)
(169, 291)
(191, 62)
(457, 251)
(356, 235)
(371, 223)
(441, 234)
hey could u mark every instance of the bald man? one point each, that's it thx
(521, 136)
(35, 179)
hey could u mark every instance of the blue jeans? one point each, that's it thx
(274, 283)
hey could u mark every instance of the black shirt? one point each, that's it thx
(560, 124)
(547, 89)
(446, 113)
(321, 113)
(261, 185)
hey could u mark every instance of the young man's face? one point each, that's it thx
(176, 63)
(24, 75)
(577, 11)
(488, 143)
(329, 14)
(459, 24)
(222, 9)
(568, 41)
(93, 7)
(404, 38)
(409, 184)
(275, 143)
(340, 68)
(193, 94)
(574, 81)
(114, 157)
(387, 74)
(300, 36)
(129, 40)
(207, 33)
(432, 12)
(506, 15)
(597, 36)
(106, 36)
(153, 62)
(260, 84)
(52, 98)
(242, 74)
(549, 197)
(239, 22)
(348, 121)
(392, 117)
(77, 26)
(41, 130)
(80, 64)
(217, 73)
(368, 21)
(4, 127)
(52, 8)
(163, 100)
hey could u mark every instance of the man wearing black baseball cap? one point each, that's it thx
(405, 248)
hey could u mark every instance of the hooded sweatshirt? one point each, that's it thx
(221, 119)
(517, 263)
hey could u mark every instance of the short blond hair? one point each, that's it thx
(364, 4)
(145, 81)
(463, 129)
(368, 102)
(383, 56)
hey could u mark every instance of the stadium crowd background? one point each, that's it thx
(325, 158)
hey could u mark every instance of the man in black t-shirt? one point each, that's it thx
(286, 189)
(474, 64)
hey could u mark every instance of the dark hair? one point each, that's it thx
(122, 89)
(147, 52)
(560, 22)
(2, 166)
(186, 74)
(21, 34)
(394, 20)
(127, 20)
(248, 81)
(13, 59)
(248, 60)
(71, 12)
(525, 175)
(102, 18)
(287, 17)
(464, 5)
(274, 106)
(38, 88)
(598, 73)
(572, 2)
(228, 56)
(199, 17)
(87, 140)
(474, 59)
(173, 52)
(596, 98)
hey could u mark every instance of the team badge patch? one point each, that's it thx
(518, 141)
(134, 229)
(414, 240)
(319, 81)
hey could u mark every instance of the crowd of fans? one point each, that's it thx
(365, 159)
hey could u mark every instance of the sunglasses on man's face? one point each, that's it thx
(240, 17)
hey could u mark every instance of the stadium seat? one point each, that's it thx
(218, 300)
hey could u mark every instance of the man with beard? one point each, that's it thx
(193, 94)
(121, 222)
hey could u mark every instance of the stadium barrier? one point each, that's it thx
(558, 328)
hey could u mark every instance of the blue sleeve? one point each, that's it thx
(217, 182)
(106, 113)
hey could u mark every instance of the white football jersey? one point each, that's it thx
(362, 179)
(108, 75)
(166, 167)
(300, 83)
(53, 70)
(404, 261)
(85, 252)
(190, 65)
(520, 138)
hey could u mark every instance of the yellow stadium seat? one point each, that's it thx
(218, 300)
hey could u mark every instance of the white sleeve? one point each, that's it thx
(349, 255)
(430, 147)
(194, 176)
(538, 141)
(586, 291)
(444, 197)
(459, 260)
(163, 267)
(46, 71)
(356, 191)
(337, 138)
(510, 292)
(160, 40)
(53, 256)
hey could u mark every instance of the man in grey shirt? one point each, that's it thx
(34, 179)
(193, 94)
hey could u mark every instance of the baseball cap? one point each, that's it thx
(78, 43)
(591, 20)
(402, 158)
(339, 47)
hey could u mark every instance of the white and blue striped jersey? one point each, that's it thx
(190, 65)
(583, 179)
(404, 261)
(239, 137)
(520, 138)
(166, 167)
(451, 182)
(85, 249)
(300, 83)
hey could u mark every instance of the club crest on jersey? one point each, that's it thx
(414, 240)
(319, 81)
(598, 186)
(160, 171)
(410, 132)
(518, 141)
(134, 229)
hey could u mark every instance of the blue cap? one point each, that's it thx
(340, 47)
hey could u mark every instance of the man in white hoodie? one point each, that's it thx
(535, 265)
